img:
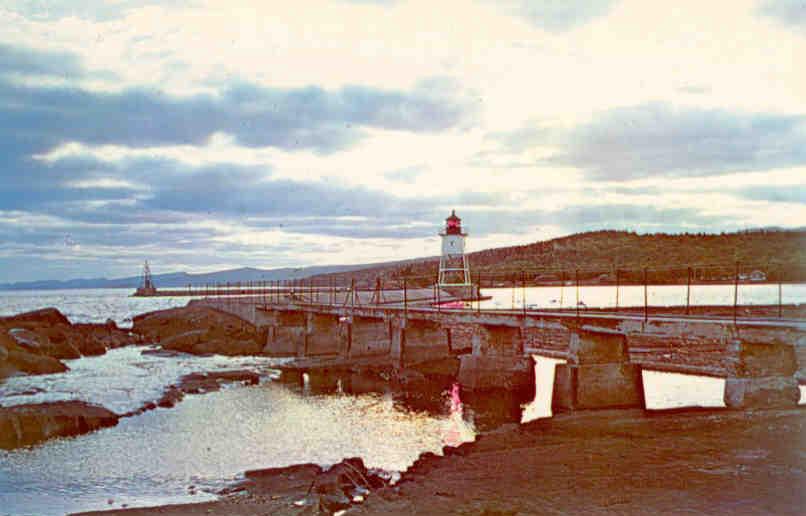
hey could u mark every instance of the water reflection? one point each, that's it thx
(664, 390)
(540, 407)
(600, 296)
(210, 439)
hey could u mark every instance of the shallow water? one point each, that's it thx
(123, 379)
(208, 440)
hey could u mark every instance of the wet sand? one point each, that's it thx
(597, 462)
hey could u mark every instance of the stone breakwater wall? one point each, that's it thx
(762, 361)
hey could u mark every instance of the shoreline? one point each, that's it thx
(595, 462)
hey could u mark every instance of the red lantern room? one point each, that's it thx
(453, 224)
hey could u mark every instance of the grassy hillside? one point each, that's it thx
(597, 255)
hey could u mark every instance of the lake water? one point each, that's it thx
(155, 457)
(205, 441)
(597, 296)
(87, 305)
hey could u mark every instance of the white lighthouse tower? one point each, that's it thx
(454, 270)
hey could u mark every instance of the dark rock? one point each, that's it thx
(200, 330)
(171, 397)
(227, 347)
(45, 317)
(23, 425)
(305, 472)
(90, 345)
(195, 383)
(182, 342)
(35, 364)
(334, 501)
(29, 340)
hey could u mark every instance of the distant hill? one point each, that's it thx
(183, 279)
(779, 254)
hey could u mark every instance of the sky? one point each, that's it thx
(204, 135)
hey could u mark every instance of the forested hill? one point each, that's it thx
(779, 254)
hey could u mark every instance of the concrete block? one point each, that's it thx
(421, 341)
(564, 394)
(607, 386)
(487, 373)
(762, 392)
(322, 334)
(588, 347)
(290, 318)
(755, 359)
(283, 341)
(370, 336)
(491, 339)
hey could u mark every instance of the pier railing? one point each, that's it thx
(615, 289)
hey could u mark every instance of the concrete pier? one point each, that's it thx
(762, 361)
(598, 374)
(762, 374)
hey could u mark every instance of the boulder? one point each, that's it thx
(228, 347)
(183, 341)
(60, 341)
(29, 340)
(34, 364)
(195, 383)
(43, 317)
(89, 345)
(24, 425)
(199, 329)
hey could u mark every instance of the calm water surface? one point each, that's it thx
(205, 441)
(658, 295)
(208, 440)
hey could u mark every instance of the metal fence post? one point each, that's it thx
(562, 287)
(688, 290)
(576, 280)
(780, 281)
(438, 296)
(523, 291)
(478, 298)
(405, 299)
(735, 291)
(646, 298)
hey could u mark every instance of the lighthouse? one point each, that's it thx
(454, 270)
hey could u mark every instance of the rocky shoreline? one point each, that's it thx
(588, 461)
(591, 462)
(37, 342)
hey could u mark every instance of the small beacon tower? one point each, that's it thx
(147, 288)
(453, 268)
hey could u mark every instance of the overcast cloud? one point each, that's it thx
(204, 135)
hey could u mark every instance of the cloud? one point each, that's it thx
(35, 118)
(787, 12)
(557, 16)
(660, 140)
(517, 140)
(779, 193)
(405, 175)
(98, 10)
(24, 61)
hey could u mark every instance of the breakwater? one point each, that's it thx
(762, 360)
